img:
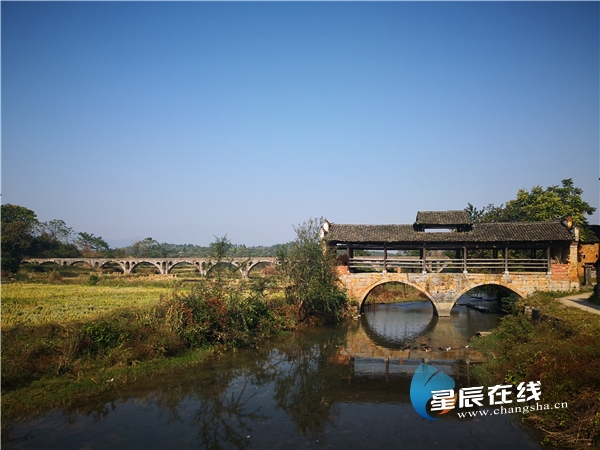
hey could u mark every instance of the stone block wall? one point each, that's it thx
(444, 289)
(587, 254)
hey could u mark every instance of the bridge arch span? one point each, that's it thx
(53, 262)
(476, 285)
(87, 263)
(138, 263)
(225, 265)
(189, 262)
(258, 264)
(112, 264)
(382, 282)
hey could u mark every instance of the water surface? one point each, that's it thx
(345, 388)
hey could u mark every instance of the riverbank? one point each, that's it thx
(559, 347)
(65, 343)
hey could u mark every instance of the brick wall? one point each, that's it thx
(560, 272)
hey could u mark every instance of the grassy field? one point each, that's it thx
(64, 332)
(37, 303)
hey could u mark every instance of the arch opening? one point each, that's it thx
(225, 270)
(82, 265)
(489, 298)
(394, 292)
(261, 269)
(49, 263)
(112, 267)
(184, 269)
(145, 268)
(46, 266)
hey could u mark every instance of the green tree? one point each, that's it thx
(18, 226)
(147, 248)
(310, 271)
(540, 205)
(58, 230)
(220, 251)
(90, 243)
(53, 240)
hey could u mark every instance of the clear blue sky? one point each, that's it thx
(182, 121)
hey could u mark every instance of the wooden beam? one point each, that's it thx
(384, 257)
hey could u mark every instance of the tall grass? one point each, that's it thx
(562, 350)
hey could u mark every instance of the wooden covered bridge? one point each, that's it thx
(444, 254)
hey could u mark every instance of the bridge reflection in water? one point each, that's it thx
(392, 340)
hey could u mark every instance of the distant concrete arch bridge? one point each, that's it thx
(164, 265)
(455, 255)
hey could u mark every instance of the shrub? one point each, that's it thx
(313, 285)
(55, 277)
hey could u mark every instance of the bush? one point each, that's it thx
(313, 285)
(55, 277)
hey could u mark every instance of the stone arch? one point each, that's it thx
(136, 264)
(231, 265)
(29, 261)
(478, 284)
(79, 261)
(41, 265)
(53, 262)
(378, 283)
(255, 265)
(112, 262)
(173, 265)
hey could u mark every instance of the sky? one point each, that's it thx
(191, 120)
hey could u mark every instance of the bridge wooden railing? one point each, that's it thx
(438, 265)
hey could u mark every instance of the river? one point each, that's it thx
(332, 388)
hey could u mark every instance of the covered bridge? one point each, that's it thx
(443, 253)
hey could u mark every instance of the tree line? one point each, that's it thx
(24, 235)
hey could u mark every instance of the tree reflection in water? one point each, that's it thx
(303, 382)
(219, 398)
(222, 419)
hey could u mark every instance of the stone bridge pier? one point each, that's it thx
(444, 289)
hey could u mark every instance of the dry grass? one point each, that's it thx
(37, 303)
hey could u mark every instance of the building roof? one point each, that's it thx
(532, 232)
(595, 235)
(447, 218)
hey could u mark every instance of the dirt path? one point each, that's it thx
(581, 301)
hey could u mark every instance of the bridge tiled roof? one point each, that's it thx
(479, 233)
(443, 218)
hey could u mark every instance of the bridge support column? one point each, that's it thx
(442, 303)
(162, 267)
(442, 309)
